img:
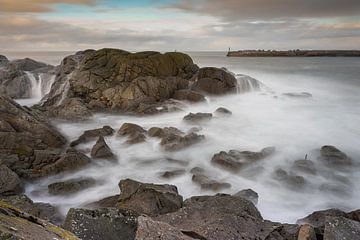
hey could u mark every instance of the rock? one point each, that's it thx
(246, 84)
(71, 186)
(27, 64)
(198, 117)
(333, 157)
(15, 224)
(41, 210)
(215, 81)
(306, 166)
(289, 180)
(163, 132)
(306, 232)
(144, 198)
(136, 138)
(205, 182)
(225, 217)
(129, 129)
(105, 223)
(221, 111)
(317, 219)
(101, 150)
(116, 80)
(173, 142)
(3, 60)
(248, 194)
(155, 230)
(173, 173)
(298, 95)
(188, 95)
(10, 183)
(340, 228)
(70, 109)
(108, 202)
(90, 135)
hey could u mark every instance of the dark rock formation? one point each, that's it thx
(92, 135)
(248, 194)
(338, 228)
(188, 95)
(201, 178)
(172, 173)
(150, 199)
(290, 180)
(10, 183)
(333, 157)
(173, 142)
(221, 111)
(197, 117)
(71, 186)
(294, 53)
(101, 150)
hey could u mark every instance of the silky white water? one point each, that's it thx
(295, 126)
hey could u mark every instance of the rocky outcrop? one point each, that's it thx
(3, 60)
(16, 224)
(174, 142)
(101, 150)
(188, 95)
(10, 183)
(92, 135)
(201, 178)
(215, 81)
(71, 186)
(197, 117)
(150, 199)
(116, 80)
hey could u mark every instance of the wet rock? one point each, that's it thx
(173, 142)
(71, 186)
(188, 95)
(306, 166)
(289, 180)
(215, 81)
(136, 138)
(198, 117)
(105, 223)
(41, 210)
(145, 197)
(173, 173)
(129, 129)
(3, 60)
(225, 217)
(333, 157)
(298, 95)
(201, 178)
(108, 202)
(10, 183)
(15, 224)
(340, 228)
(90, 135)
(227, 162)
(248, 194)
(221, 111)
(101, 150)
(162, 132)
(317, 219)
(306, 232)
(72, 109)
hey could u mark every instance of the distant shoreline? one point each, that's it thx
(294, 53)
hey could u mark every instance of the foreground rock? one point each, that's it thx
(189, 95)
(15, 224)
(333, 157)
(145, 197)
(91, 135)
(71, 186)
(173, 142)
(101, 150)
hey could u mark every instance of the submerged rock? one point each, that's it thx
(339, 228)
(248, 194)
(173, 142)
(163, 132)
(101, 150)
(188, 95)
(198, 117)
(290, 180)
(145, 197)
(129, 129)
(221, 111)
(317, 219)
(333, 157)
(201, 178)
(71, 186)
(306, 166)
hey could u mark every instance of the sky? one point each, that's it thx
(183, 25)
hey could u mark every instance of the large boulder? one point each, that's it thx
(339, 228)
(93, 134)
(215, 81)
(147, 198)
(16, 224)
(112, 79)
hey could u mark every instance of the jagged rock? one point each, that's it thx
(337, 188)
(215, 81)
(105, 223)
(235, 160)
(221, 111)
(225, 217)
(248, 194)
(306, 166)
(163, 132)
(333, 157)
(198, 117)
(188, 95)
(173, 173)
(71, 186)
(101, 150)
(145, 197)
(136, 138)
(173, 142)
(117, 80)
(41, 210)
(10, 182)
(340, 228)
(201, 178)
(129, 129)
(91, 135)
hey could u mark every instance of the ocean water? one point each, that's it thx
(295, 126)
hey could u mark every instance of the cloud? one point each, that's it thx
(230, 10)
(36, 6)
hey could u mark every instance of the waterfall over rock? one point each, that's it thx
(35, 85)
(247, 84)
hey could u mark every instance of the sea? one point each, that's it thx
(296, 126)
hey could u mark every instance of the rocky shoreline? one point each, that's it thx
(116, 81)
(294, 53)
